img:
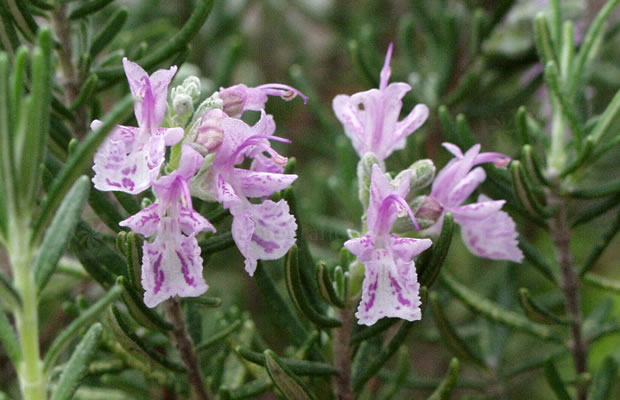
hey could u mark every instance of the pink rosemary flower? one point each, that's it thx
(171, 264)
(130, 158)
(486, 230)
(240, 98)
(264, 230)
(370, 118)
(390, 287)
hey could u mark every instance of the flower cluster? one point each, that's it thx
(210, 153)
(390, 287)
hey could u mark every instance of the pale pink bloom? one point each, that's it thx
(130, 158)
(370, 118)
(266, 230)
(390, 287)
(486, 230)
(171, 264)
(240, 98)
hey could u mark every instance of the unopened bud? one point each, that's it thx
(207, 133)
(427, 212)
(192, 87)
(182, 104)
(233, 99)
(202, 184)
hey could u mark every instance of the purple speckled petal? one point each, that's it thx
(171, 266)
(119, 168)
(191, 222)
(263, 231)
(262, 184)
(453, 172)
(362, 247)
(388, 290)
(493, 237)
(225, 193)
(145, 221)
(406, 248)
(386, 201)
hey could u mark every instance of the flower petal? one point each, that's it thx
(388, 290)
(362, 247)
(493, 237)
(225, 193)
(478, 211)
(464, 187)
(119, 166)
(172, 267)
(406, 248)
(263, 231)
(192, 222)
(262, 184)
(145, 221)
(346, 112)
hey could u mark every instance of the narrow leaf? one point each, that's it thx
(600, 247)
(326, 287)
(295, 290)
(108, 32)
(87, 317)
(544, 44)
(372, 368)
(605, 380)
(300, 367)
(445, 388)
(78, 364)
(601, 282)
(289, 384)
(8, 340)
(88, 8)
(537, 312)
(60, 232)
(431, 260)
(554, 83)
(247, 390)
(87, 90)
(555, 381)
(76, 164)
(219, 336)
(455, 343)
(144, 315)
(525, 192)
(8, 293)
(493, 312)
(366, 332)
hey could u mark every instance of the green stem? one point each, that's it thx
(30, 370)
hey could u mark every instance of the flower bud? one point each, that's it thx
(192, 87)
(427, 212)
(233, 100)
(182, 104)
(422, 173)
(207, 133)
(201, 185)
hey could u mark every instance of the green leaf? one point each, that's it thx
(9, 340)
(289, 384)
(60, 232)
(76, 368)
(76, 164)
(31, 146)
(448, 127)
(493, 312)
(532, 166)
(87, 317)
(144, 315)
(299, 367)
(596, 210)
(555, 381)
(247, 390)
(88, 8)
(525, 192)
(326, 287)
(600, 247)
(432, 260)
(366, 332)
(97, 258)
(537, 312)
(444, 390)
(372, 368)
(174, 45)
(603, 190)
(591, 37)
(204, 301)
(108, 32)
(568, 109)
(601, 282)
(126, 336)
(280, 310)
(133, 252)
(219, 242)
(581, 159)
(395, 383)
(544, 44)
(455, 343)
(219, 336)
(8, 293)
(605, 380)
(295, 290)
(86, 92)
